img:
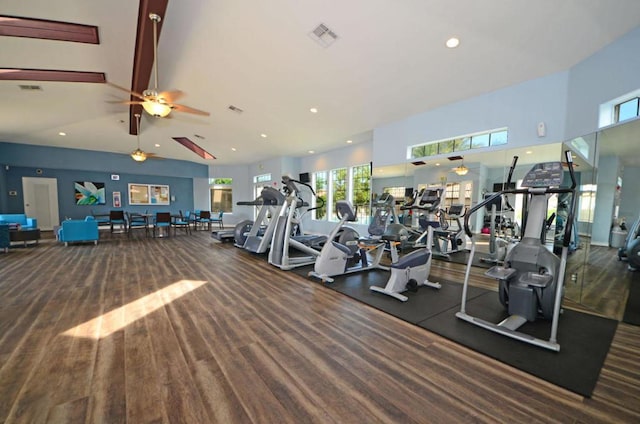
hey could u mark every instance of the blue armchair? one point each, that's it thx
(75, 230)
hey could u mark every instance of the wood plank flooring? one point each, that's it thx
(188, 330)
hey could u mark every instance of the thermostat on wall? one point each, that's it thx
(115, 177)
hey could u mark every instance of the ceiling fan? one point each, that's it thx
(139, 155)
(155, 103)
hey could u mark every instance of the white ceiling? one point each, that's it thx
(389, 62)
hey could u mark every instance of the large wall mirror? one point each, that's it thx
(607, 166)
(608, 202)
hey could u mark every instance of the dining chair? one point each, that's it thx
(218, 219)
(137, 221)
(181, 222)
(162, 221)
(190, 217)
(204, 217)
(116, 217)
(101, 218)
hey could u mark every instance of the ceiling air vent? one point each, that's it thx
(323, 35)
(455, 158)
(235, 109)
(419, 162)
(30, 87)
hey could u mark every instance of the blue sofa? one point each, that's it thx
(18, 218)
(76, 230)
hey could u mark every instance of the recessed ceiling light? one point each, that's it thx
(313, 110)
(529, 152)
(233, 148)
(312, 151)
(437, 164)
(349, 141)
(157, 145)
(263, 135)
(62, 133)
(452, 43)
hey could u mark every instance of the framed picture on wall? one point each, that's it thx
(89, 193)
(159, 194)
(149, 194)
(117, 202)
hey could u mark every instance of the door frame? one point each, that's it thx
(29, 208)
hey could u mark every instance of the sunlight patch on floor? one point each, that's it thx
(115, 320)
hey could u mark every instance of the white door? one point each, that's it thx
(41, 201)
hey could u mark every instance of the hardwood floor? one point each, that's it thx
(186, 329)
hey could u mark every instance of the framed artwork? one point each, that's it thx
(89, 193)
(149, 194)
(117, 202)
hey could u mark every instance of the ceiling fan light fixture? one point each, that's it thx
(138, 155)
(156, 109)
(461, 170)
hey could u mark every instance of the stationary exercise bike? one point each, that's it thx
(410, 272)
(532, 278)
(343, 253)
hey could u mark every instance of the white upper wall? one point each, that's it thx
(604, 76)
(519, 108)
(357, 154)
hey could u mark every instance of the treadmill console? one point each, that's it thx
(547, 174)
(430, 199)
(455, 210)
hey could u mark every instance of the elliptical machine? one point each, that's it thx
(497, 245)
(532, 278)
(258, 237)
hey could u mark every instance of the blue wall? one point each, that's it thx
(70, 165)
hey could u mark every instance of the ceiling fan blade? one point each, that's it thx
(133, 93)
(171, 96)
(125, 102)
(152, 156)
(187, 109)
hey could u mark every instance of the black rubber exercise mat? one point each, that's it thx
(584, 342)
(632, 310)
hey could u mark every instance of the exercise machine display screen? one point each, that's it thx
(548, 174)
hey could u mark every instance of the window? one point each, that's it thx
(463, 143)
(453, 191)
(481, 140)
(446, 146)
(497, 138)
(352, 184)
(396, 192)
(587, 202)
(338, 189)
(361, 191)
(221, 194)
(626, 110)
(320, 187)
(259, 182)
(264, 178)
(460, 144)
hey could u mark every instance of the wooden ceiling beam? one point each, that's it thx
(15, 26)
(143, 55)
(17, 74)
